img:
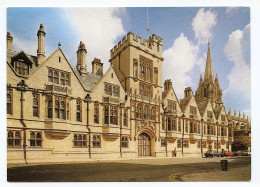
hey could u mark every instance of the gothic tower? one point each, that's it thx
(209, 89)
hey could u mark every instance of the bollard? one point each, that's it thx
(224, 165)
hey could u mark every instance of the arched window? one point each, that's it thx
(55, 77)
(62, 79)
(14, 139)
(36, 105)
(50, 76)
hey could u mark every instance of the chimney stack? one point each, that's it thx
(187, 92)
(41, 45)
(97, 66)
(167, 84)
(81, 59)
(9, 41)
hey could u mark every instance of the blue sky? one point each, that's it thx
(185, 33)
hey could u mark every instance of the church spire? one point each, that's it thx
(208, 69)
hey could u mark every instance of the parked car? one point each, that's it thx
(226, 153)
(212, 154)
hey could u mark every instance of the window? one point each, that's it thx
(62, 110)
(78, 113)
(210, 114)
(215, 145)
(179, 143)
(22, 68)
(179, 125)
(148, 91)
(208, 129)
(204, 144)
(67, 80)
(96, 113)
(113, 115)
(145, 112)
(195, 127)
(198, 143)
(106, 115)
(124, 141)
(198, 128)
(49, 107)
(169, 124)
(57, 108)
(152, 113)
(142, 68)
(9, 102)
(186, 126)
(172, 105)
(112, 90)
(163, 142)
(185, 143)
(223, 117)
(35, 139)
(193, 110)
(68, 110)
(50, 76)
(125, 117)
(191, 127)
(80, 140)
(62, 79)
(13, 139)
(96, 141)
(141, 89)
(36, 105)
(55, 78)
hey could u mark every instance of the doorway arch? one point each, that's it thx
(144, 144)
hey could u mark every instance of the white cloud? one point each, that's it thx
(231, 10)
(179, 61)
(202, 24)
(237, 50)
(98, 28)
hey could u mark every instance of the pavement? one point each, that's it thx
(134, 170)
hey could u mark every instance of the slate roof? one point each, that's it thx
(202, 106)
(184, 102)
(88, 81)
(33, 59)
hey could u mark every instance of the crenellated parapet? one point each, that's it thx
(152, 46)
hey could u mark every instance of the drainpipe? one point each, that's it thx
(88, 98)
(120, 130)
(183, 116)
(22, 87)
(166, 138)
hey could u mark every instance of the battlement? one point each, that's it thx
(152, 46)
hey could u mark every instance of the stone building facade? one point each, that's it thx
(59, 113)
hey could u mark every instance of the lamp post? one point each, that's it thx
(217, 136)
(183, 116)
(166, 128)
(88, 99)
(202, 128)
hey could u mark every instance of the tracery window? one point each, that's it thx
(35, 139)
(13, 139)
(36, 105)
(78, 112)
(9, 101)
(124, 141)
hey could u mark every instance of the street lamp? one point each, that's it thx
(217, 136)
(88, 99)
(202, 120)
(166, 128)
(183, 116)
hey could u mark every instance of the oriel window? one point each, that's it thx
(62, 79)
(55, 77)
(49, 107)
(67, 80)
(106, 115)
(50, 76)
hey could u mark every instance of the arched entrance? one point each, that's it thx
(144, 145)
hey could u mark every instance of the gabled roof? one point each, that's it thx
(217, 111)
(202, 106)
(13, 54)
(184, 102)
(88, 81)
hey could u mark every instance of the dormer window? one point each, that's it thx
(22, 68)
